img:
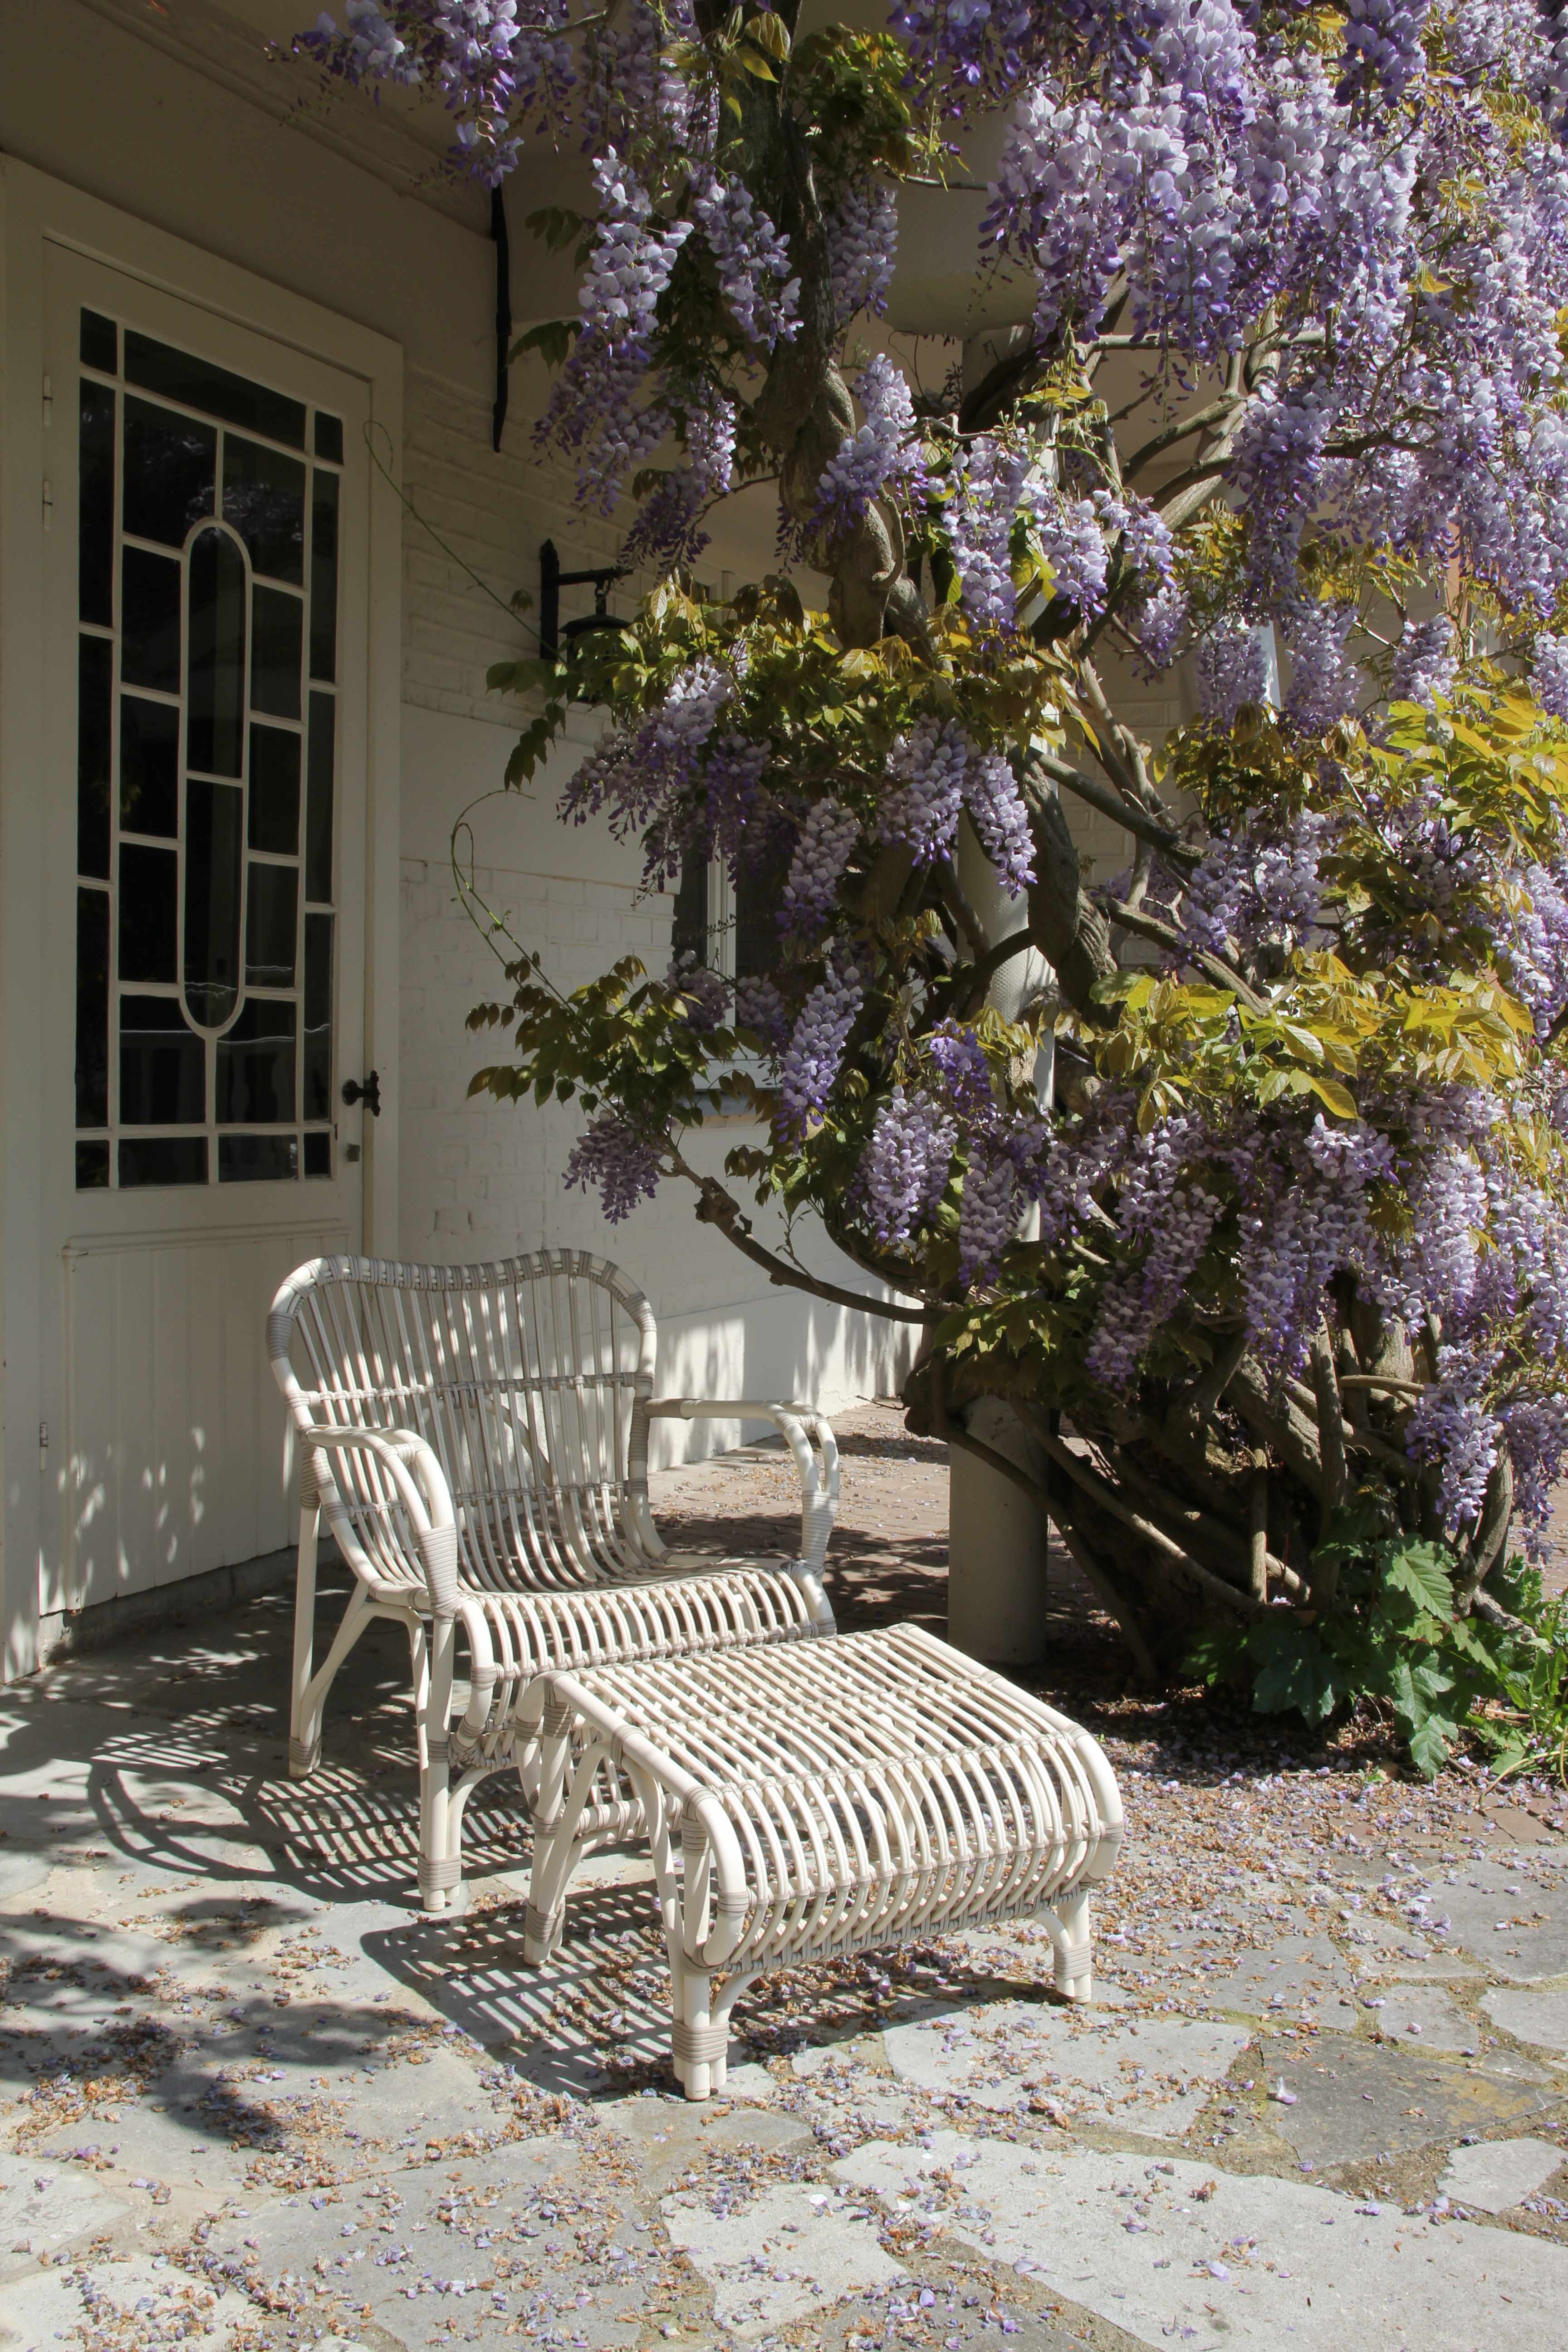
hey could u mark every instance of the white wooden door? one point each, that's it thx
(206, 690)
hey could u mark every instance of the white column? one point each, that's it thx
(996, 1536)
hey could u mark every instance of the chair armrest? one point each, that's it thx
(808, 1434)
(420, 1484)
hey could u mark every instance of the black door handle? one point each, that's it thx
(369, 1093)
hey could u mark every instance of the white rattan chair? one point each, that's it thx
(478, 1439)
(800, 1805)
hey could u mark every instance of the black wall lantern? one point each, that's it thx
(551, 580)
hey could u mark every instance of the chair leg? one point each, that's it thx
(1074, 1973)
(440, 1856)
(305, 1722)
(554, 1839)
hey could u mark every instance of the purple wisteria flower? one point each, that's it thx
(613, 1160)
(904, 1172)
(862, 244)
(828, 837)
(815, 1051)
(882, 455)
(752, 261)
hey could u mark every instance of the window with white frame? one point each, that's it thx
(730, 925)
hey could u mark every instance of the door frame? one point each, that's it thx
(37, 211)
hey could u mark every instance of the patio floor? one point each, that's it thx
(249, 2098)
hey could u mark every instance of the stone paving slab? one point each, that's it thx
(1151, 2077)
(1173, 2250)
(1537, 2017)
(1497, 2173)
(1348, 2100)
(781, 2257)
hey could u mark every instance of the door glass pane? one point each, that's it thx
(277, 628)
(92, 1008)
(148, 767)
(318, 1069)
(257, 1159)
(149, 916)
(163, 1064)
(256, 1066)
(324, 577)
(197, 384)
(759, 887)
(100, 342)
(269, 926)
(274, 818)
(318, 808)
(162, 1160)
(150, 624)
(95, 513)
(170, 463)
(214, 720)
(264, 498)
(213, 855)
(208, 535)
(94, 703)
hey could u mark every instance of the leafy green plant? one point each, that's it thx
(1393, 1634)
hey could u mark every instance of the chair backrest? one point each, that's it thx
(524, 1377)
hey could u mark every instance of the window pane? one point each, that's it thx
(257, 1159)
(92, 1008)
(197, 384)
(277, 628)
(269, 926)
(324, 577)
(99, 342)
(214, 714)
(162, 1065)
(95, 513)
(759, 887)
(163, 1159)
(256, 1066)
(318, 1070)
(169, 472)
(319, 807)
(329, 437)
(274, 818)
(317, 1155)
(150, 620)
(92, 1168)
(688, 929)
(149, 885)
(94, 702)
(213, 856)
(149, 766)
(264, 498)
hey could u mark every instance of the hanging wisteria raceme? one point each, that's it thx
(812, 1060)
(594, 410)
(1425, 663)
(1258, 886)
(828, 837)
(883, 455)
(1233, 668)
(904, 1173)
(614, 1161)
(752, 259)
(637, 772)
(497, 66)
(862, 246)
(667, 529)
(1325, 685)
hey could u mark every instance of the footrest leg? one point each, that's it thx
(698, 2047)
(1073, 1975)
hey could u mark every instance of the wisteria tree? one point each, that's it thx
(1241, 1173)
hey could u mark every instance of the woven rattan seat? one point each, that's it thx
(476, 1438)
(804, 1803)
